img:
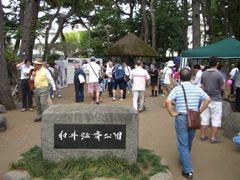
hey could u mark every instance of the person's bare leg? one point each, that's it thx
(91, 97)
(121, 93)
(97, 96)
(114, 92)
(214, 132)
(203, 129)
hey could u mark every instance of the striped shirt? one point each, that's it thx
(193, 94)
(139, 76)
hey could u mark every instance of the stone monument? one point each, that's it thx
(82, 130)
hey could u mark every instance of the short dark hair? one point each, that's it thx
(213, 60)
(196, 66)
(185, 74)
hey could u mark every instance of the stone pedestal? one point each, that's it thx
(77, 130)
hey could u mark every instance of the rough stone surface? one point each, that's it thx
(226, 113)
(2, 109)
(16, 175)
(233, 126)
(3, 123)
(89, 114)
(164, 162)
(161, 176)
(18, 105)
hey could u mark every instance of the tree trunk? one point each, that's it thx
(196, 28)
(35, 10)
(60, 27)
(65, 51)
(209, 17)
(185, 26)
(47, 33)
(196, 23)
(225, 19)
(153, 25)
(5, 91)
(107, 37)
(18, 38)
(145, 21)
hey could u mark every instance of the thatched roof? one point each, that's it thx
(131, 45)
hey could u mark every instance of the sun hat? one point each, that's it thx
(170, 64)
(92, 58)
(38, 61)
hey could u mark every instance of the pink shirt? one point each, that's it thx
(139, 76)
(176, 75)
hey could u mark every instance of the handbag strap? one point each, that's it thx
(128, 70)
(185, 97)
(94, 71)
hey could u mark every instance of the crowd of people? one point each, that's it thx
(119, 79)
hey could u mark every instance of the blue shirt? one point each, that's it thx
(118, 71)
(193, 94)
(76, 73)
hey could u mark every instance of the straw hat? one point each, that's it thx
(38, 61)
(170, 64)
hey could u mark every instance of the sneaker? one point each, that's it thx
(114, 99)
(59, 96)
(128, 92)
(121, 99)
(30, 109)
(187, 175)
(162, 95)
(24, 109)
(52, 96)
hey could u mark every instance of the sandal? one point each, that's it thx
(203, 138)
(215, 141)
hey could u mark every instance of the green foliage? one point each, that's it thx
(52, 57)
(86, 168)
(169, 27)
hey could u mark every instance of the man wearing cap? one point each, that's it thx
(93, 70)
(42, 78)
(168, 81)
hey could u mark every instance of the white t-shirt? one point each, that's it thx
(139, 76)
(197, 80)
(93, 77)
(166, 72)
(84, 67)
(109, 73)
(233, 71)
(24, 71)
(127, 70)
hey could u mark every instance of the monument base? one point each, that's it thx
(74, 131)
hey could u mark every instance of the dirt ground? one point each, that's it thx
(211, 161)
